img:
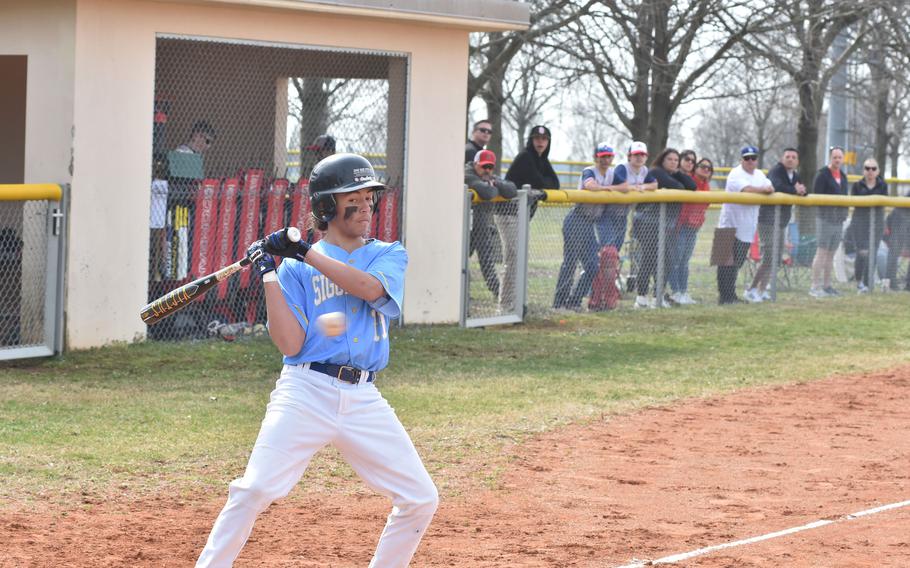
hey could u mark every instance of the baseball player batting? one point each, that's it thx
(326, 393)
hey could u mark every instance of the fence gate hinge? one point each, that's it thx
(55, 227)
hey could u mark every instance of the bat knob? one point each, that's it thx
(293, 234)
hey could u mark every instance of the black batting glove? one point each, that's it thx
(279, 244)
(263, 262)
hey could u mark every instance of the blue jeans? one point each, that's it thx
(579, 245)
(678, 277)
(611, 228)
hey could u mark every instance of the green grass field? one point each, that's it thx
(149, 417)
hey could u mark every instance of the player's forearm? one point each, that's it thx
(352, 280)
(284, 329)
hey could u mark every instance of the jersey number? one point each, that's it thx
(379, 325)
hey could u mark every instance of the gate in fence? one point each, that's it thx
(495, 261)
(31, 270)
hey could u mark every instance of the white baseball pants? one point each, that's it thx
(307, 411)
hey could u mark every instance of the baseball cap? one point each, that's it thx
(603, 149)
(322, 142)
(748, 151)
(540, 131)
(638, 148)
(485, 157)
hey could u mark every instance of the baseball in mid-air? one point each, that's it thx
(331, 324)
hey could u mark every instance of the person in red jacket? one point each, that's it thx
(691, 218)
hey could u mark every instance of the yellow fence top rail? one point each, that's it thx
(30, 192)
(681, 196)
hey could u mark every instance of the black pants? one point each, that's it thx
(726, 275)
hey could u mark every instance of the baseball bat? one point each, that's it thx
(181, 297)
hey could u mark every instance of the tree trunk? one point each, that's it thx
(806, 144)
(314, 115)
(493, 97)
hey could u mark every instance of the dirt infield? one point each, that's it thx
(658, 482)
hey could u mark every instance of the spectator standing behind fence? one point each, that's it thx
(580, 243)
(829, 223)
(691, 218)
(530, 167)
(480, 137)
(898, 229)
(158, 219)
(744, 178)
(479, 176)
(631, 176)
(785, 179)
(646, 227)
(871, 184)
(201, 138)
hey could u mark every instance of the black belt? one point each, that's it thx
(344, 373)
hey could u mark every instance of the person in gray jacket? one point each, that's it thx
(478, 175)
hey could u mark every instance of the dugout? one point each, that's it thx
(112, 83)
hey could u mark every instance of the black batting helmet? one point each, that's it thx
(340, 173)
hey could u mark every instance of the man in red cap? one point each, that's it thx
(479, 176)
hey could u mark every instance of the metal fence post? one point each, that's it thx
(465, 257)
(661, 256)
(873, 252)
(775, 252)
(521, 274)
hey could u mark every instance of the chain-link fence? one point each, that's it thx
(30, 278)
(238, 126)
(603, 256)
(496, 265)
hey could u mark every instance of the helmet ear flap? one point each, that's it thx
(324, 207)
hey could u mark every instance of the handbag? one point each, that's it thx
(722, 247)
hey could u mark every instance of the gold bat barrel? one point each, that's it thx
(176, 300)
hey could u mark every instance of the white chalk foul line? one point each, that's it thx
(813, 525)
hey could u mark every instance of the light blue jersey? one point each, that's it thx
(365, 342)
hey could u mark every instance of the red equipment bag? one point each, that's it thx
(204, 228)
(249, 216)
(385, 222)
(227, 219)
(604, 293)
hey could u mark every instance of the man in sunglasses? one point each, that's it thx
(744, 178)
(479, 176)
(480, 137)
(201, 138)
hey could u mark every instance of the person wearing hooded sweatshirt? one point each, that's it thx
(530, 167)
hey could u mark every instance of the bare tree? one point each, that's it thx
(526, 92)
(799, 46)
(650, 57)
(492, 53)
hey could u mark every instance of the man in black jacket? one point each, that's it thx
(480, 137)
(785, 178)
(530, 167)
(829, 222)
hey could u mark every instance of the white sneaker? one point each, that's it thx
(766, 296)
(686, 300)
(677, 297)
(662, 303)
(642, 302)
(753, 295)
(862, 288)
(817, 293)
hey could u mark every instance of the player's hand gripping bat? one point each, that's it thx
(177, 299)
